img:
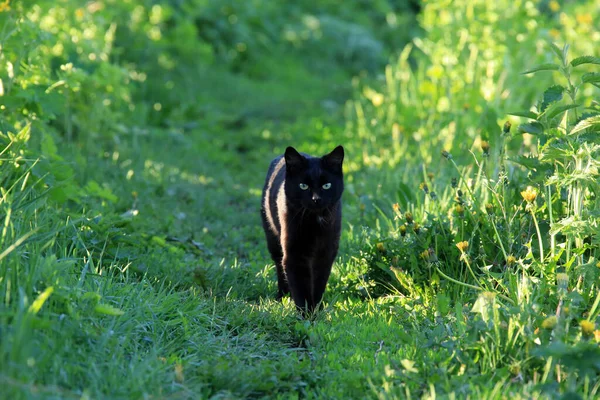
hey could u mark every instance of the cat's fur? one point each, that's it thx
(303, 226)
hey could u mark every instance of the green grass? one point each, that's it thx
(132, 258)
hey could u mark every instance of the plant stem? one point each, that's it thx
(539, 235)
(552, 235)
(499, 239)
(478, 288)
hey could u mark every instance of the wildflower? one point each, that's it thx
(587, 327)
(462, 246)
(529, 194)
(554, 5)
(511, 260)
(416, 228)
(425, 255)
(506, 127)
(432, 256)
(562, 281)
(380, 247)
(423, 186)
(550, 322)
(454, 183)
(446, 155)
(409, 218)
(597, 335)
(5, 6)
(430, 176)
(459, 210)
(485, 147)
(489, 208)
(403, 230)
(598, 264)
(396, 207)
(584, 19)
(377, 99)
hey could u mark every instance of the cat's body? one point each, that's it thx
(302, 217)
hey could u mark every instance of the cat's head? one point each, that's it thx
(311, 182)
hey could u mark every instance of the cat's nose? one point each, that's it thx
(316, 199)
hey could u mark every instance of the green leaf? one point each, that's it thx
(555, 110)
(49, 146)
(591, 77)
(535, 128)
(409, 365)
(107, 309)
(95, 189)
(556, 50)
(525, 114)
(41, 299)
(543, 67)
(585, 60)
(591, 122)
(551, 95)
(528, 162)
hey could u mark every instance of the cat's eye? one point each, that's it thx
(303, 186)
(327, 186)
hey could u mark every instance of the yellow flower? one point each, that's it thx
(485, 147)
(511, 260)
(550, 322)
(462, 246)
(380, 247)
(377, 99)
(554, 5)
(597, 335)
(529, 194)
(460, 210)
(4, 6)
(584, 19)
(587, 327)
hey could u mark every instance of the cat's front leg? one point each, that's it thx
(282, 284)
(321, 269)
(298, 273)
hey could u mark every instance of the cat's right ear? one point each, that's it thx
(294, 161)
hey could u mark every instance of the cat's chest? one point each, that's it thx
(316, 229)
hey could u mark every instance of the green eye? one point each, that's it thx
(303, 186)
(326, 186)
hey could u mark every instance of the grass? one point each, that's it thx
(133, 262)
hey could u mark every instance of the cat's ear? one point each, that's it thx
(334, 159)
(294, 161)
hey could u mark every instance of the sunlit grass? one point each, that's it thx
(133, 151)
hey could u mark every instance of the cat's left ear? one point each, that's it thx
(335, 159)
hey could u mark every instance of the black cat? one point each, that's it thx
(302, 218)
